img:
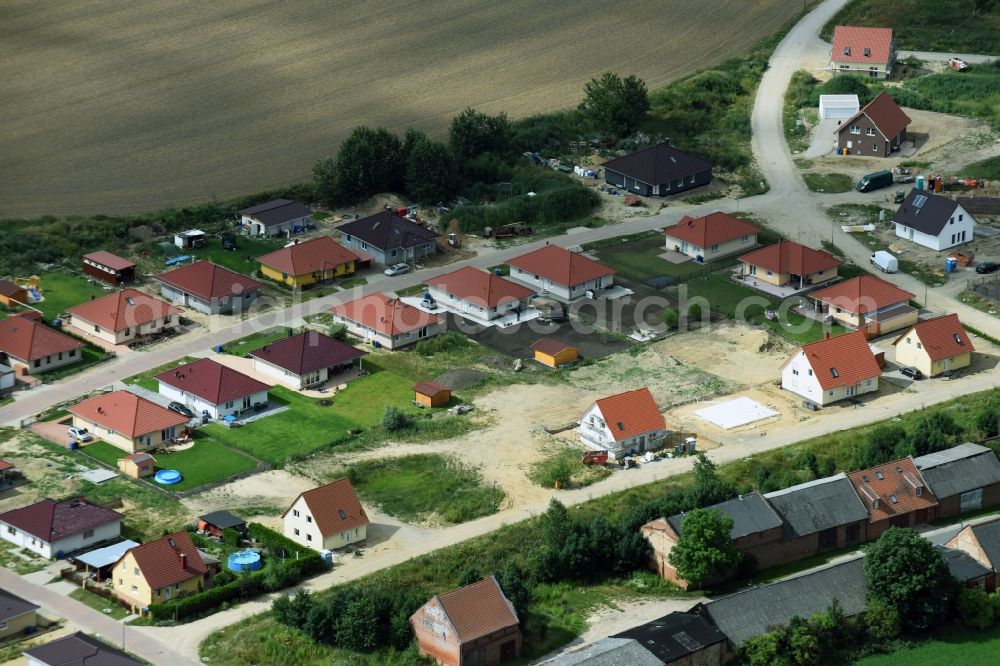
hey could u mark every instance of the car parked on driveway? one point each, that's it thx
(397, 269)
(181, 409)
(80, 434)
(987, 267)
(912, 373)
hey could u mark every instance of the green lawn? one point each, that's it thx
(828, 182)
(638, 259)
(415, 290)
(99, 603)
(205, 462)
(145, 379)
(988, 168)
(416, 487)
(257, 340)
(237, 259)
(61, 291)
(960, 646)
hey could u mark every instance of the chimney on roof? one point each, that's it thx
(184, 560)
(826, 335)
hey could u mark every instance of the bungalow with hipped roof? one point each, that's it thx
(877, 130)
(963, 478)
(208, 386)
(867, 302)
(832, 369)
(274, 218)
(935, 346)
(386, 321)
(17, 616)
(128, 421)
(160, 570)
(711, 237)
(305, 263)
(788, 263)
(305, 359)
(209, 288)
(623, 424)
(327, 517)
(27, 345)
(478, 294)
(125, 317)
(659, 170)
(78, 649)
(564, 274)
(388, 238)
(53, 529)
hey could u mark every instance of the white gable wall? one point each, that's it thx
(951, 235)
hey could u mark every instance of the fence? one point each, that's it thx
(987, 287)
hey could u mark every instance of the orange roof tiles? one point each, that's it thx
(160, 561)
(208, 281)
(884, 113)
(878, 41)
(892, 489)
(478, 609)
(27, 339)
(942, 337)
(866, 293)
(708, 230)
(385, 314)
(335, 507)
(845, 360)
(127, 413)
(790, 257)
(311, 256)
(479, 287)
(561, 266)
(631, 413)
(122, 309)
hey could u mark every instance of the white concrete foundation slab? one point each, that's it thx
(735, 413)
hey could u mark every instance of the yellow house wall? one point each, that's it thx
(17, 625)
(841, 392)
(845, 318)
(822, 276)
(119, 440)
(123, 577)
(777, 279)
(306, 279)
(339, 540)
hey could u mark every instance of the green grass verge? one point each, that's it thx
(988, 169)
(980, 303)
(146, 379)
(638, 259)
(255, 341)
(99, 603)
(562, 465)
(236, 260)
(832, 183)
(921, 271)
(418, 487)
(958, 646)
(414, 290)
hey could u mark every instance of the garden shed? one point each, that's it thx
(429, 394)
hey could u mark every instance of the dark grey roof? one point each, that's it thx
(988, 536)
(79, 649)
(959, 469)
(12, 606)
(386, 231)
(675, 636)
(750, 513)
(658, 164)
(962, 565)
(222, 519)
(276, 212)
(754, 611)
(924, 212)
(818, 505)
(608, 652)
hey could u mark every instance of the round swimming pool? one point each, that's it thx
(244, 560)
(168, 477)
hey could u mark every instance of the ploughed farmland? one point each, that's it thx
(127, 107)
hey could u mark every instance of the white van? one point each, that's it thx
(885, 261)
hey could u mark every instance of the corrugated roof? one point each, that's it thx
(658, 164)
(750, 513)
(631, 413)
(894, 487)
(561, 266)
(385, 314)
(551, 346)
(942, 337)
(161, 562)
(386, 230)
(862, 294)
(844, 360)
(102, 557)
(28, 339)
(122, 309)
(127, 413)
(208, 281)
(278, 211)
(712, 229)
(479, 287)
(112, 261)
(335, 507)
(311, 256)
(51, 521)
(307, 352)
(930, 216)
(79, 649)
(791, 257)
(884, 113)
(878, 41)
(478, 609)
(817, 505)
(959, 469)
(12, 606)
(211, 381)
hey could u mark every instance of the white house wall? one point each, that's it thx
(596, 435)
(799, 378)
(68, 545)
(198, 405)
(283, 376)
(962, 222)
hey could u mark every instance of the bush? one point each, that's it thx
(338, 332)
(975, 609)
(394, 419)
(450, 341)
(670, 318)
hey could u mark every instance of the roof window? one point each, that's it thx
(621, 426)
(340, 512)
(958, 338)
(893, 499)
(130, 300)
(868, 52)
(880, 476)
(833, 371)
(847, 50)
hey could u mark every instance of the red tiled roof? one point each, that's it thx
(211, 381)
(479, 287)
(127, 413)
(877, 40)
(5, 464)
(311, 256)
(631, 413)
(866, 293)
(899, 481)
(27, 339)
(8, 288)
(790, 257)
(561, 266)
(208, 281)
(122, 309)
(712, 229)
(385, 314)
(160, 561)
(306, 352)
(551, 346)
(52, 521)
(884, 113)
(112, 261)
(478, 609)
(335, 507)
(845, 360)
(942, 337)
(429, 388)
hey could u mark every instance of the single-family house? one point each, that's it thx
(109, 268)
(862, 50)
(216, 522)
(818, 516)
(12, 294)
(125, 317)
(877, 130)
(274, 218)
(16, 615)
(388, 238)
(430, 394)
(209, 288)
(128, 421)
(478, 293)
(27, 345)
(305, 359)
(137, 465)
(208, 386)
(475, 624)
(7, 474)
(789, 263)
(838, 107)
(894, 495)
(160, 570)
(659, 170)
(935, 346)
(387, 321)
(867, 302)
(78, 649)
(963, 478)
(711, 236)
(623, 424)
(756, 528)
(832, 369)
(982, 543)
(555, 270)
(305, 263)
(327, 517)
(554, 353)
(54, 529)
(934, 221)
(8, 379)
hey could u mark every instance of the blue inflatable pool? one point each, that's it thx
(168, 477)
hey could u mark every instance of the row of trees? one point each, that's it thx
(934, 431)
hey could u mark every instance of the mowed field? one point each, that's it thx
(112, 107)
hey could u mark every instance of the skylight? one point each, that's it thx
(892, 498)
(621, 426)
(130, 300)
(920, 200)
(833, 371)
(340, 512)
(879, 475)
(958, 338)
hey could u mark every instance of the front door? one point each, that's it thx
(852, 390)
(946, 364)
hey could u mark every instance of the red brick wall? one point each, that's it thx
(950, 506)
(435, 637)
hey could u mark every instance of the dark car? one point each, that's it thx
(181, 409)
(912, 373)
(987, 267)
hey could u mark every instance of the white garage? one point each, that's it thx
(838, 107)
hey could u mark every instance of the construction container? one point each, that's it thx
(938, 184)
(950, 264)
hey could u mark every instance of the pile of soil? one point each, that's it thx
(460, 378)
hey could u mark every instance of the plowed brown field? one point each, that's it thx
(124, 107)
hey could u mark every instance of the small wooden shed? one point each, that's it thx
(553, 352)
(216, 522)
(430, 394)
(137, 465)
(12, 294)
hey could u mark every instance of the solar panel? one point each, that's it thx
(920, 200)
(687, 641)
